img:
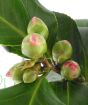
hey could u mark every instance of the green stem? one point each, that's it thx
(68, 94)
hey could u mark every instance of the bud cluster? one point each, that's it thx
(26, 71)
(61, 53)
(34, 46)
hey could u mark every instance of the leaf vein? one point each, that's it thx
(12, 26)
(35, 92)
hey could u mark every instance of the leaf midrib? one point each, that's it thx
(35, 92)
(2, 19)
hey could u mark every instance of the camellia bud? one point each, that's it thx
(16, 72)
(31, 74)
(61, 51)
(34, 46)
(36, 25)
(70, 70)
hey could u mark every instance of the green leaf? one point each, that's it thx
(43, 93)
(77, 94)
(37, 93)
(12, 22)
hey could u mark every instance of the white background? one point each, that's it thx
(77, 9)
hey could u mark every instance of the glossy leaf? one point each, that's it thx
(43, 93)
(37, 93)
(76, 95)
(12, 22)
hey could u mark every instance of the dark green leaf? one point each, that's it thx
(43, 93)
(13, 22)
(77, 93)
(37, 93)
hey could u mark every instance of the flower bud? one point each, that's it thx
(61, 51)
(28, 64)
(9, 73)
(16, 72)
(36, 25)
(34, 46)
(70, 70)
(31, 74)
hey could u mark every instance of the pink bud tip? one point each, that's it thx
(8, 74)
(35, 40)
(34, 20)
(71, 65)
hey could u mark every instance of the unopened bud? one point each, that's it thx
(16, 72)
(36, 25)
(62, 51)
(31, 74)
(70, 70)
(34, 46)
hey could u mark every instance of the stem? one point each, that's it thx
(46, 63)
(68, 93)
(50, 65)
